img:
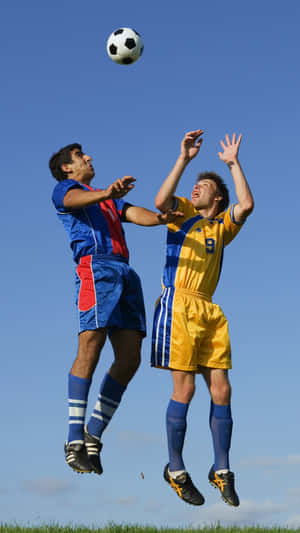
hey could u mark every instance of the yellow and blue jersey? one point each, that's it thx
(195, 248)
(189, 331)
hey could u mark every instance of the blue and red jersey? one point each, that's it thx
(92, 230)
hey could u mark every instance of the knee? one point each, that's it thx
(92, 342)
(124, 369)
(221, 394)
(185, 393)
(133, 363)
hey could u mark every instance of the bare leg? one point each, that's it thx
(127, 349)
(90, 344)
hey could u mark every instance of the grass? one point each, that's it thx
(115, 528)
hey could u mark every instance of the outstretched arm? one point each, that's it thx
(79, 198)
(145, 217)
(189, 148)
(245, 199)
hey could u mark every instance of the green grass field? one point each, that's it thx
(115, 528)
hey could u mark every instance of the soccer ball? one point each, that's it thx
(125, 46)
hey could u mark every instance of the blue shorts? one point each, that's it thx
(109, 294)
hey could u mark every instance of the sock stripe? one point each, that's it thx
(78, 390)
(78, 403)
(107, 400)
(76, 411)
(105, 409)
(101, 417)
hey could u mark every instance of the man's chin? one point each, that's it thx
(195, 204)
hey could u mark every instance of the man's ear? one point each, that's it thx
(66, 167)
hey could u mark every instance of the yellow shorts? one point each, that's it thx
(189, 331)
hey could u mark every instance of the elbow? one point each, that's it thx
(248, 208)
(162, 204)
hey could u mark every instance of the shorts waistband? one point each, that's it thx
(199, 294)
(103, 257)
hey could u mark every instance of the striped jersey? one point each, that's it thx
(195, 248)
(92, 230)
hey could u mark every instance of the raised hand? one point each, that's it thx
(120, 187)
(231, 150)
(191, 143)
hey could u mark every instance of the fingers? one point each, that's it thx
(121, 186)
(169, 216)
(198, 143)
(195, 133)
(127, 180)
(177, 214)
(233, 142)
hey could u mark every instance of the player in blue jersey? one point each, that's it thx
(109, 295)
(190, 332)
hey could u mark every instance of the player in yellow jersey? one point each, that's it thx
(190, 332)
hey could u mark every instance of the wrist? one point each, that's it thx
(183, 159)
(105, 195)
(233, 162)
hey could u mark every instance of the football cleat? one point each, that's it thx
(224, 482)
(76, 457)
(93, 448)
(184, 487)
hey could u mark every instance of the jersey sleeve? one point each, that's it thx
(121, 208)
(231, 227)
(186, 207)
(60, 191)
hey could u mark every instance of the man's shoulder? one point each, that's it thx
(67, 183)
(61, 188)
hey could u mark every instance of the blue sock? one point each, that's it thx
(108, 401)
(220, 422)
(176, 428)
(78, 391)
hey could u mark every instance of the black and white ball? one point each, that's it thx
(125, 46)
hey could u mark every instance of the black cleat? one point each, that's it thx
(224, 482)
(76, 457)
(184, 487)
(93, 448)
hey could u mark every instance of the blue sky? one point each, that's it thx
(222, 66)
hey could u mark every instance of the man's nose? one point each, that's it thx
(87, 158)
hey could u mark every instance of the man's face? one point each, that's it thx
(81, 166)
(205, 194)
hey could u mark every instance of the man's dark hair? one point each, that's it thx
(222, 188)
(63, 156)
